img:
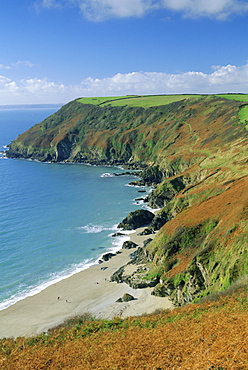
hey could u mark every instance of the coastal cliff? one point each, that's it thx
(194, 152)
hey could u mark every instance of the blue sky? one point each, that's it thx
(53, 51)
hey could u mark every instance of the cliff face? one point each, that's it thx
(195, 154)
(90, 133)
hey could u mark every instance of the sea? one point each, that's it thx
(56, 219)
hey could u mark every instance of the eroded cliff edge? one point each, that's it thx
(194, 153)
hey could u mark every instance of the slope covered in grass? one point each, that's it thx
(243, 114)
(238, 97)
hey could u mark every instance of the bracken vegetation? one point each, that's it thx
(208, 336)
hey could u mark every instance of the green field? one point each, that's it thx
(238, 97)
(243, 116)
(147, 101)
(243, 113)
(104, 99)
(151, 100)
(144, 101)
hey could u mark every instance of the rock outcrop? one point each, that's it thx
(107, 256)
(129, 245)
(136, 219)
(126, 298)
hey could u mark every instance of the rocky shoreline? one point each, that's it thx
(136, 272)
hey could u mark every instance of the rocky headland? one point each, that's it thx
(194, 153)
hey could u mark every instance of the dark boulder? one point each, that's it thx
(125, 298)
(160, 219)
(117, 234)
(136, 219)
(129, 245)
(107, 256)
(147, 231)
(118, 275)
(136, 282)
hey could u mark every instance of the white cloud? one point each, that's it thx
(2, 66)
(211, 8)
(98, 10)
(32, 90)
(223, 79)
(103, 9)
(40, 86)
(23, 63)
(7, 86)
(228, 78)
(19, 63)
(48, 4)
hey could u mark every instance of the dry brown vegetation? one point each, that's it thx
(211, 335)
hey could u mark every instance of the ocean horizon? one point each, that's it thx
(56, 219)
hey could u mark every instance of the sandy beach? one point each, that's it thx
(88, 291)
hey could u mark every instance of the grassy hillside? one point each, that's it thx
(198, 149)
(145, 101)
(212, 335)
(102, 132)
(243, 114)
(238, 97)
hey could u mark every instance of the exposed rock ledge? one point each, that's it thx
(136, 219)
(136, 272)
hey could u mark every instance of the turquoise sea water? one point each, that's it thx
(55, 219)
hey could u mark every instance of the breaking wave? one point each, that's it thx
(94, 229)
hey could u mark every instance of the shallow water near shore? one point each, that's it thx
(56, 219)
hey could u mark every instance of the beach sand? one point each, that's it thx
(88, 291)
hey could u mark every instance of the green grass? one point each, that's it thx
(238, 97)
(151, 100)
(147, 101)
(243, 115)
(103, 100)
(136, 100)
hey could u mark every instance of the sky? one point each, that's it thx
(54, 51)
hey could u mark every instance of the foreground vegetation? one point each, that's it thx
(212, 335)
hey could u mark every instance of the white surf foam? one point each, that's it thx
(107, 174)
(94, 229)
